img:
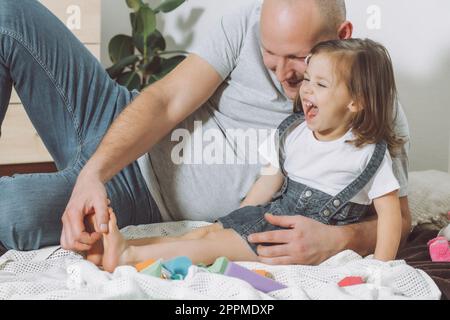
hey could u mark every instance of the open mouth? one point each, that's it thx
(310, 109)
(293, 83)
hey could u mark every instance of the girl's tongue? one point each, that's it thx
(311, 111)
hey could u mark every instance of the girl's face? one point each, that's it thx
(327, 104)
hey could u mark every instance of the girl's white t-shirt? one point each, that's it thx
(329, 166)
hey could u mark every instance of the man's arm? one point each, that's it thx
(153, 114)
(306, 241)
(150, 117)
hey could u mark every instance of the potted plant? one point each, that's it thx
(141, 59)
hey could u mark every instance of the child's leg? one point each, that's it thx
(191, 235)
(95, 255)
(216, 243)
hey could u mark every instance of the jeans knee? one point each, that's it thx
(12, 8)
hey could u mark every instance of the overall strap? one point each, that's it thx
(341, 199)
(294, 119)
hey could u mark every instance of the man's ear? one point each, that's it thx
(345, 30)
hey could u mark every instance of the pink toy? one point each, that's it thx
(351, 281)
(439, 249)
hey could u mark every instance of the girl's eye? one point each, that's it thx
(321, 85)
(306, 79)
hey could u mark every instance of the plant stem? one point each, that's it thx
(145, 51)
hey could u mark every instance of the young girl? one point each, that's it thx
(333, 162)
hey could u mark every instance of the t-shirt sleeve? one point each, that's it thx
(384, 180)
(269, 151)
(221, 45)
(400, 163)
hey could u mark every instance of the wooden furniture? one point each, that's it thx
(21, 149)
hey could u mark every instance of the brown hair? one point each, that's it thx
(366, 67)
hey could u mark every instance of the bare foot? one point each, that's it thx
(115, 246)
(94, 255)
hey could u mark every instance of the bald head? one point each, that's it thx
(332, 13)
(289, 29)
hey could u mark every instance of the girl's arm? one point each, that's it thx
(264, 188)
(389, 229)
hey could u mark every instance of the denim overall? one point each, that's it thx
(298, 199)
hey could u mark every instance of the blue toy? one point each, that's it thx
(177, 268)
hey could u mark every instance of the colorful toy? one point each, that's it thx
(224, 266)
(351, 281)
(178, 267)
(264, 273)
(174, 269)
(141, 266)
(439, 249)
(155, 270)
(219, 266)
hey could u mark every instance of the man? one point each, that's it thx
(244, 76)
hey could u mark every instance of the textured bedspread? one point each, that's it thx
(53, 273)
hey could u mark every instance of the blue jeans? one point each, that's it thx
(71, 101)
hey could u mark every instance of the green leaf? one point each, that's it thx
(135, 4)
(169, 5)
(151, 80)
(130, 79)
(115, 70)
(120, 46)
(155, 42)
(145, 22)
(167, 65)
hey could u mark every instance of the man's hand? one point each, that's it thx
(88, 197)
(305, 241)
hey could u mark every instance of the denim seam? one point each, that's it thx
(245, 230)
(35, 56)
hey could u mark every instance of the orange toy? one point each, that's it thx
(141, 266)
(263, 273)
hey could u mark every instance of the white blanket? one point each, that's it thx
(53, 273)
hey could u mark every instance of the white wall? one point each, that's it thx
(416, 32)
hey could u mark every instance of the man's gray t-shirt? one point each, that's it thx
(220, 140)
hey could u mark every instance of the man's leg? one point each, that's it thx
(71, 101)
